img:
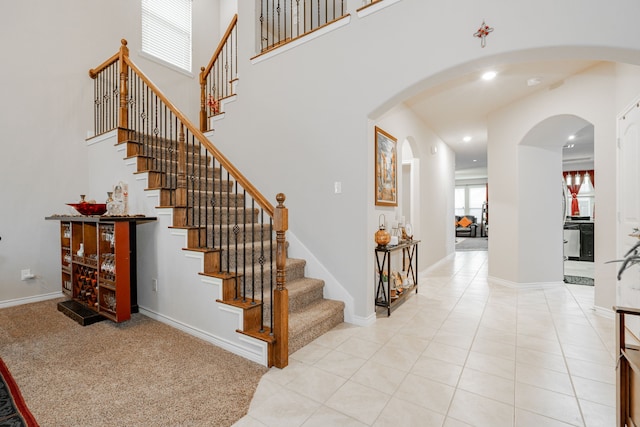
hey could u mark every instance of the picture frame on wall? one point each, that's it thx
(386, 167)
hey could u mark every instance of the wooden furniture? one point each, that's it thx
(384, 295)
(627, 372)
(98, 265)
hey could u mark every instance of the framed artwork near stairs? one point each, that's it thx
(386, 169)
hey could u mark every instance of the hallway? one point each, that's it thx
(462, 352)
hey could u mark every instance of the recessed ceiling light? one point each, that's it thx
(489, 75)
(534, 81)
(474, 160)
(466, 138)
(572, 137)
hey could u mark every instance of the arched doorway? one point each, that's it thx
(540, 194)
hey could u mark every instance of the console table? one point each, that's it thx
(383, 254)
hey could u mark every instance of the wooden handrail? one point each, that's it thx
(230, 167)
(207, 69)
(93, 73)
(229, 76)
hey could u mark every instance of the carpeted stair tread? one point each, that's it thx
(303, 292)
(317, 319)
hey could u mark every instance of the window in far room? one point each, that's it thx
(166, 32)
(477, 196)
(460, 201)
(469, 200)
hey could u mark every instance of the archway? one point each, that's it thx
(540, 194)
(410, 186)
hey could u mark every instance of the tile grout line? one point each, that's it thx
(564, 356)
(474, 335)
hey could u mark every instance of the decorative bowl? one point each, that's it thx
(89, 208)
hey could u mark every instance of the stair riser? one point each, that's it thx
(224, 235)
(220, 197)
(204, 217)
(297, 341)
(244, 258)
(297, 303)
(145, 164)
(152, 149)
(291, 273)
(217, 198)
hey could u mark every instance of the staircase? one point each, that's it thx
(231, 252)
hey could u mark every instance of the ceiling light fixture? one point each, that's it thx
(569, 145)
(466, 138)
(572, 137)
(534, 81)
(489, 75)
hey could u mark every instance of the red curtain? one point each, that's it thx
(574, 189)
(577, 179)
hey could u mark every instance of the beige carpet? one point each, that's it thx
(138, 373)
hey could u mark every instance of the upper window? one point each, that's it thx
(166, 31)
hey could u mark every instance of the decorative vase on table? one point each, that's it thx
(382, 236)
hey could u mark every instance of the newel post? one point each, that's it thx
(203, 101)
(281, 294)
(123, 114)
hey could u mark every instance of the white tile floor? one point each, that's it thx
(579, 268)
(462, 352)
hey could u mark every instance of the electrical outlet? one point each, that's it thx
(154, 285)
(26, 274)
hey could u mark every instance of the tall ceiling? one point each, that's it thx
(460, 107)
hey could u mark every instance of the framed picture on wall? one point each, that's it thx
(386, 169)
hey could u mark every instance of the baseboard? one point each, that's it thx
(604, 312)
(198, 333)
(28, 300)
(363, 321)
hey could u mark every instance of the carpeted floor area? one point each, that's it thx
(472, 244)
(138, 373)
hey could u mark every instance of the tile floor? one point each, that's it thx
(462, 352)
(579, 268)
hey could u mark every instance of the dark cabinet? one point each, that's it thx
(586, 242)
(586, 229)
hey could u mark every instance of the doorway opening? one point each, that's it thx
(578, 229)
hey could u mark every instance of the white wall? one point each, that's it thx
(46, 113)
(590, 96)
(434, 225)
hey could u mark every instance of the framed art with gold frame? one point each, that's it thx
(386, 158)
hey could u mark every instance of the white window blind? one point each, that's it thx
(166, 31)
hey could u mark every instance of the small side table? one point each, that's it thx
(409, 250)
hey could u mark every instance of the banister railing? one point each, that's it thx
(218, 79)
(208, 193)
(282, 21)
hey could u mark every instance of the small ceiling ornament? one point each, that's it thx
(482, 33)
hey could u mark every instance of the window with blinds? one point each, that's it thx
(166, 31)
